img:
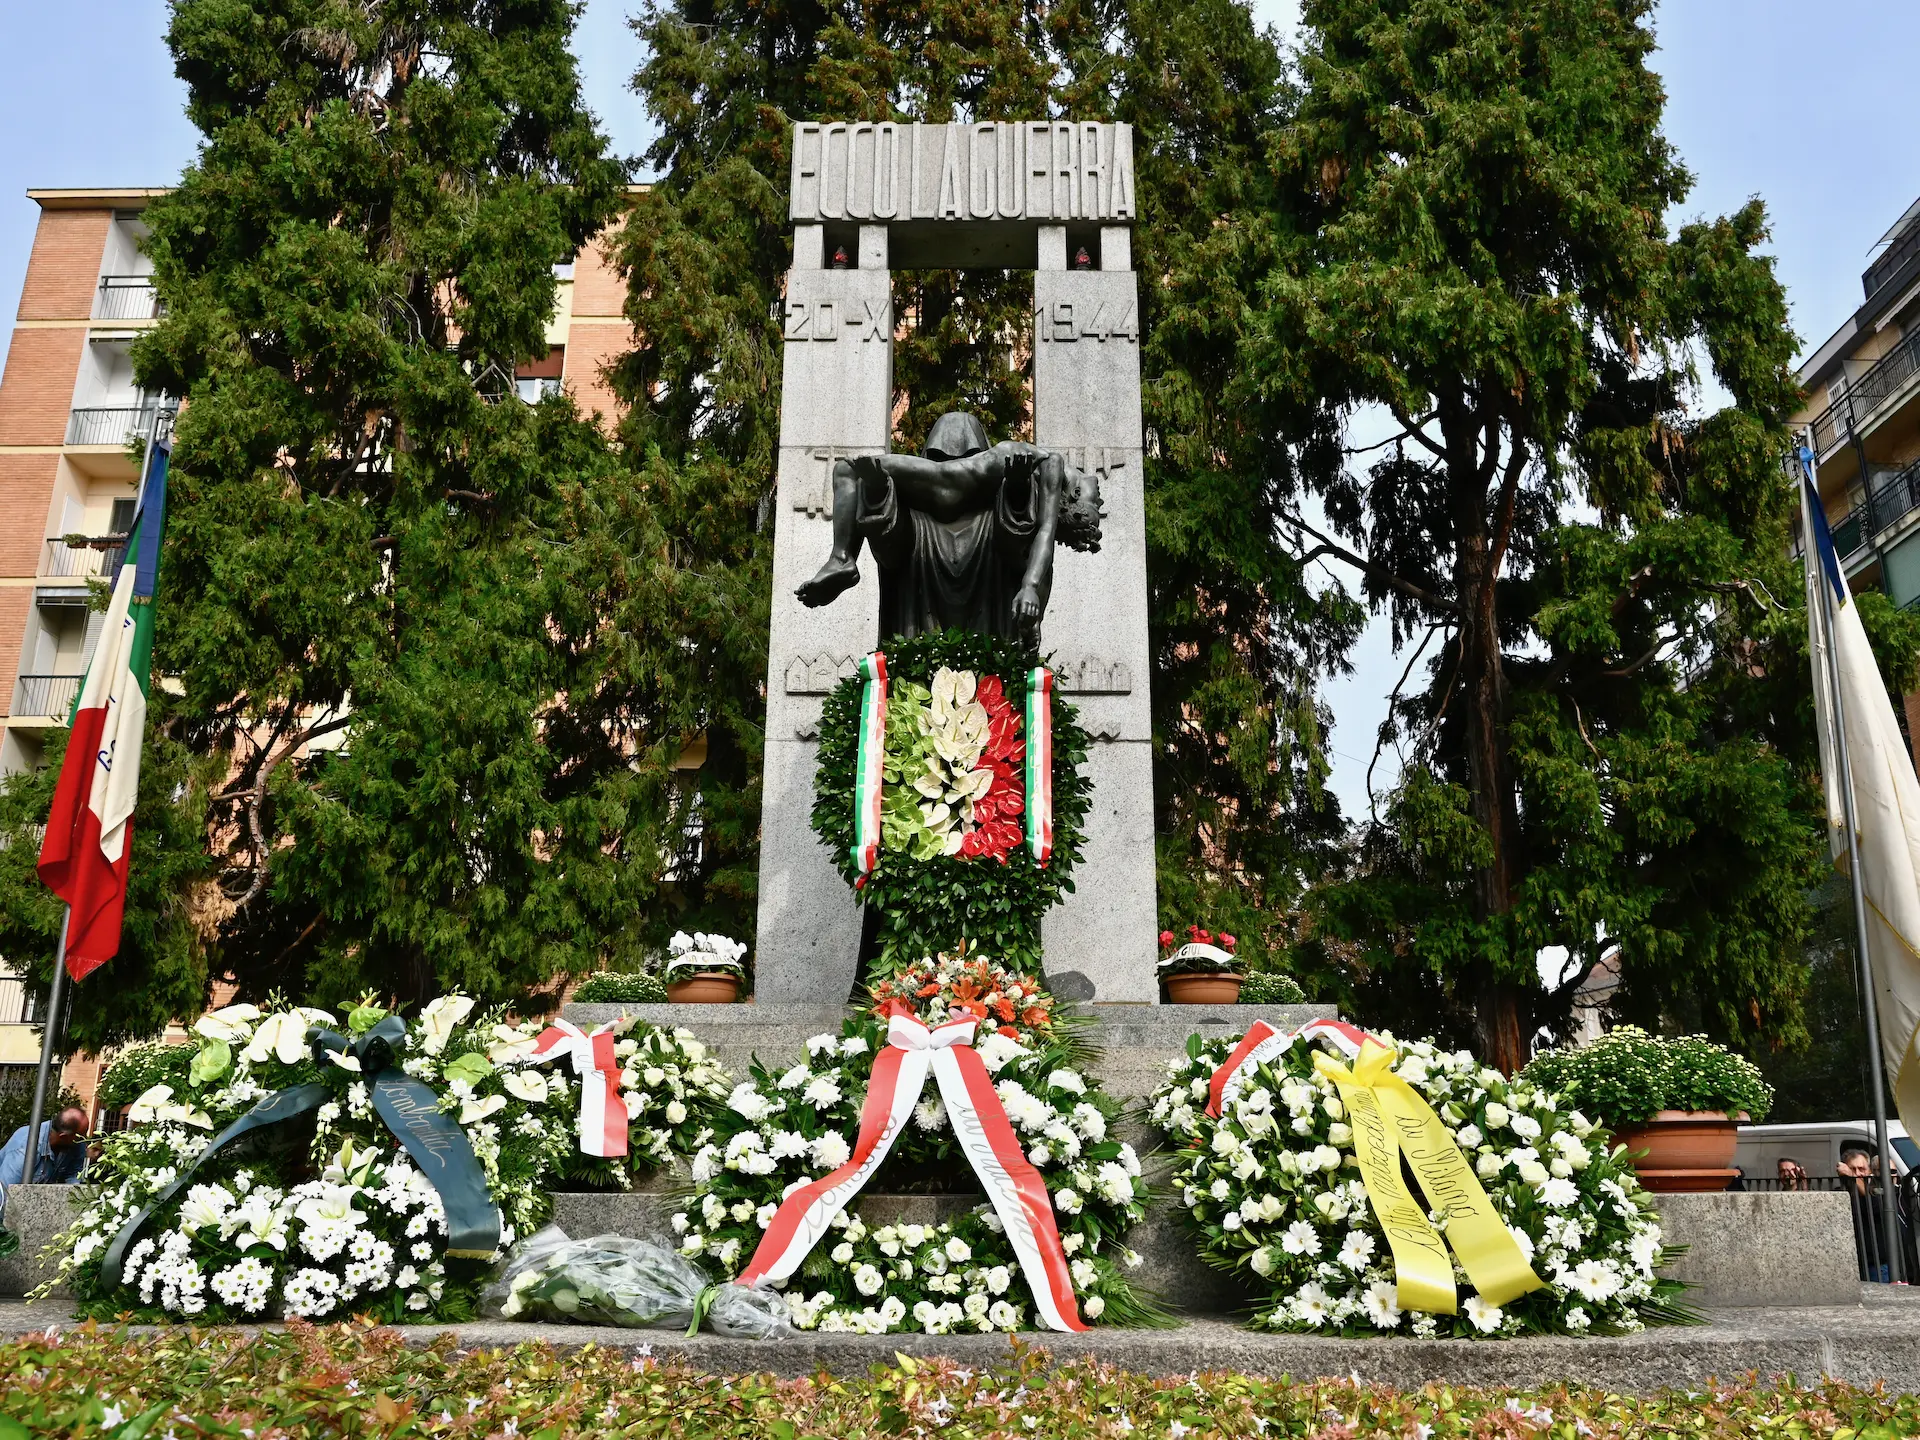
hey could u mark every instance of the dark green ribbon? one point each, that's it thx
(410, 1111)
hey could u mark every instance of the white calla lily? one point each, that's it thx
(438, 1020)
(231, 1023)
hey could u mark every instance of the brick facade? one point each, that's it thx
(64, 270)
(36, 395)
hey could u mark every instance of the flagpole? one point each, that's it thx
(1889, 1216)
(48, 1034)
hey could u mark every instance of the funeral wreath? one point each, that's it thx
(286, 1168)
(1288, 1161)
(955, 1061)
(949, 789)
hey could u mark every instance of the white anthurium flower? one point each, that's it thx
(230, 1023)
(146, 1108)
(281, 1036)
(344, 1060)
(527, 1085)
(437, 1021)
(510, 1044)
(473, 1112)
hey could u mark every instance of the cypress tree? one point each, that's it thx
(1607, 741)
(382, 570)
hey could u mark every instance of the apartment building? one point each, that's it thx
(1863, 420)
(68, 406)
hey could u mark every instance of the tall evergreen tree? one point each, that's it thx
(1608, 745)
(706, 249)
(382, 568)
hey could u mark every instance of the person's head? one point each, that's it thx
(69, 1126)
(1787, 1168)
(956, 435)
(1080, 512)
(1856, 1159)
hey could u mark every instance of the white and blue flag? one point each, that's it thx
(1886, 797)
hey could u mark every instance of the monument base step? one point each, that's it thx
(1862, 1344)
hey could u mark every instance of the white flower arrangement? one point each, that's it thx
(1272, 1192)
(244, 1241)
(701, 951)
(783, 1129)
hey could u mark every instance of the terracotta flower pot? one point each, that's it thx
(705, 987)
(1203, 989)
(1686, 1150)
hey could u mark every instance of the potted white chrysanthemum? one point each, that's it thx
(705, 969)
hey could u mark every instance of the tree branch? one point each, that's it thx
(257, 799)
(1329, 546)
(1412, 427)
(1380, 740)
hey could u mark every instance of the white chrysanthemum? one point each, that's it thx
(829, 1152)
(1559, 1193)
(822, 1092)
(1484, 1317)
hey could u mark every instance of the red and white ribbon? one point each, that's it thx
(1040, 764)
(869, 757)
(603, 1114)
(1262, 1043)
(1018, 1194)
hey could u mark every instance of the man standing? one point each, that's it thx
(60, 1156)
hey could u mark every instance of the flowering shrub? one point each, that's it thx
(348, 1380)
(1627, 1075)
(611, 987)
(1270, 987)
(785, 1129)
(311, 1219)
(1273, 1193)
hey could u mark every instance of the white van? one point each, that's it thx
(1817, 1147)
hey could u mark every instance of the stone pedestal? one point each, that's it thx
(836, 387)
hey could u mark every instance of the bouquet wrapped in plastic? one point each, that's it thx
(615, 1280)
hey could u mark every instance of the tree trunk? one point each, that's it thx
(1497, 1002)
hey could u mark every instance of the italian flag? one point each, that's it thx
(84, 858)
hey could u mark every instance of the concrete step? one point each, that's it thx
(1862, 1344)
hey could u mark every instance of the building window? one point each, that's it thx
(535, 388)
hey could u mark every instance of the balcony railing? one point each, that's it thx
(19, 1002)
(1902, 248)
(1890, 374)
(51, 696)
(110, 424)
(95, 555)
(127, 297)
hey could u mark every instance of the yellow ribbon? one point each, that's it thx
(1389, 1119)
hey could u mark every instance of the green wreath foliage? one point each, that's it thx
(928, 906)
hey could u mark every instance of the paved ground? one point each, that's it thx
(1874, 1341)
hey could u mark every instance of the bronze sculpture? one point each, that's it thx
(963, 535)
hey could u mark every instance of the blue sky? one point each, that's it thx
(1806, 107)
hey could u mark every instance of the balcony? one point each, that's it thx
(75, 558)
(127, 297)
(1901, 249)
(48, 697)
(1893, 498)
(112, 424)
(1889, 375)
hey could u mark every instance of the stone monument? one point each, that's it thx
(987, 195)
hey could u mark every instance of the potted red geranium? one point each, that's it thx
(1203, 971)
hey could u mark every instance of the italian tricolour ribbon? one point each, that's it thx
(603, 1114)
(869, 759)
(1018, 1194)
(1390, 1119)
(1040, 763)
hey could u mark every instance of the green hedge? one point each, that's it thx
(353, 1380)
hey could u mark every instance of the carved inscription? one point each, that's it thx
(818, 674)
(813, 490)
(1067, 321)
(827, 319)
(1026, 170)
(1094, 676)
